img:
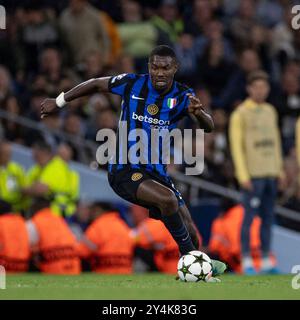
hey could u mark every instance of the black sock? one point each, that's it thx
(179, 232)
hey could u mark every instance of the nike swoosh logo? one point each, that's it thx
(138, 98)
(185, 238)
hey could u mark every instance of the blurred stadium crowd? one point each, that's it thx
(218, 43)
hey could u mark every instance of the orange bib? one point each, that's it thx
(114, 245)
(57, 244)
(14, 243)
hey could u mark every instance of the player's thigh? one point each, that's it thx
(153, 193)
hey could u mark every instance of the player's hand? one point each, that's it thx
(48, 106)
(195, 106)
(247, 185)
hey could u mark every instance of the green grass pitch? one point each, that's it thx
(146, 286)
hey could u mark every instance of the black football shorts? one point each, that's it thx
(125, 183)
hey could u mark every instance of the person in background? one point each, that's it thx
(64, 151)
(214, 68)
(288, 106)
(12, 179)
(138, 36)
(14, 240)
(154, 244)
(225, 241)
(168, 22)
(53, 244)
(213, 31)
(51, 177)
(200, 15)
(290, 196)
(52, 69)
(80, 221)
(93, 65)
(36, 97)
(152, 235)
(115, 41)
(282, 44)
(256, 153)
(234, 92)
(12, 130)
(242, 22)
(83, 20)
(74, 127)
(187, 55)
(107, 244)
(5, 83)
(38, 32)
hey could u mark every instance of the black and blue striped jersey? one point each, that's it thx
(142, 107)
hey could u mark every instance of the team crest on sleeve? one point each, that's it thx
(136, 176)
(152, 109)
(171, 102)
(119, 77)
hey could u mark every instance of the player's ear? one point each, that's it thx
(176, 65)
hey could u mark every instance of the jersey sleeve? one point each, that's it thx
(117, 84)
(186, 101)
(183, 104)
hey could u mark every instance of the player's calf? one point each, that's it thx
(158, 195)
(188, 221)
(194, 235)
(175, 224)
(179, 232)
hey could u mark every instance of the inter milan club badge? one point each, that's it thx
(171, 102)
(136, 176)
(152, 109)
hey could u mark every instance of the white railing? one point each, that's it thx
(80, 143)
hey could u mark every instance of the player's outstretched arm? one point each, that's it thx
(83, 89)
(197, 112)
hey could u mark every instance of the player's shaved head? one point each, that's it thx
(162, 67)
(162, 51)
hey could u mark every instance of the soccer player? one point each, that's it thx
(149, 101)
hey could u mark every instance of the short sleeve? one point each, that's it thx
(117, 84)
(183, 105)
(186, 100)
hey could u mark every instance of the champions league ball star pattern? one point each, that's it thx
(194, 266)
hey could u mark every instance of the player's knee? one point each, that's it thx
(168, 204)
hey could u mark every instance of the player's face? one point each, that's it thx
(162, 71)
(259, 90)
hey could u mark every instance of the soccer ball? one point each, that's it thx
(194, 266)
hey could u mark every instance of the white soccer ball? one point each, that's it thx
(194, 266)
